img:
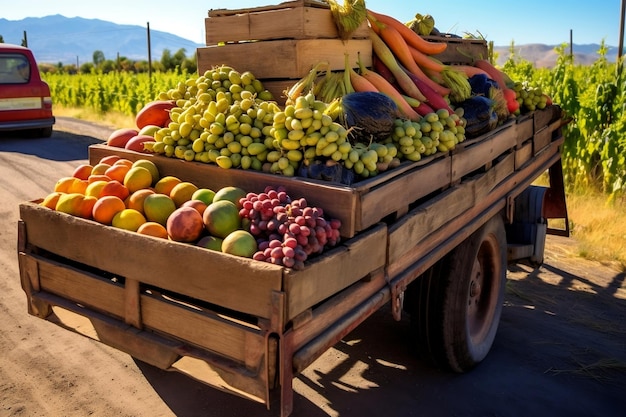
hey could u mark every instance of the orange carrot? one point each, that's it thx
(357, 81)
(396, 43)
(383, 52)
(412, 38)
(426, 61)
(469, 70)
(388, 89)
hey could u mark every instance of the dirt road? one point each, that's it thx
(560, 349)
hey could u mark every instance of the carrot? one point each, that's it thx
(388, 89)
(381, 49)
(380, 67)
(358, 82)
(396, 43)
(426, 61)
(469, 70)
(412, 38)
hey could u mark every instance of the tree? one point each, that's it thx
(98, 58)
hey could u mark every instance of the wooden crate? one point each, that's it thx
(286, 58)
(288, 20)
(460, 51)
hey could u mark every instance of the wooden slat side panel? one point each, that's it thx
(341, 267)
(83, 288)
(402, 191)
(422, 221)
(230, 281)
(476, 155)
(287, 58)
(205, 330)
(523, 154)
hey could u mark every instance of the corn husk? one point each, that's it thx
(349, 16)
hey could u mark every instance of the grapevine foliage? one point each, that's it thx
(594, 96)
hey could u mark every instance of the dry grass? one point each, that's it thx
(110, 119)
(599, 227)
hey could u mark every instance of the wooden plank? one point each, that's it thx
(402, 191)
(156, 261)
(201, 328)
(546, 116)
(132, 309)
(336, 270)
(475, 155)
(460, 51)
(82, 287)
(525, 129)
(523, 154)
(288, 58)
(541, 140)
(421, 222)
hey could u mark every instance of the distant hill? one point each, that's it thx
(545, 55)
(57, 38)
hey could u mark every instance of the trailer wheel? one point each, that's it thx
(456, 305)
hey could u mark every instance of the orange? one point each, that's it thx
(86, 206)
(158, 207)
(137, 178)
(136, 199)
(117, 172)
(182, 192)
(165, 184)
(98, 177)
(106, 208)
(100, 168)
(51, 200)
(115, 188)
(128, 219)
(153, 229)
(124, 161)
(63, 184)
(78, 186)
(70, 203)
(109, 159)
(83, 171)
(150, 166)
(94, 188)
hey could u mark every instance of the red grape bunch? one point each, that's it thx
(287, 230)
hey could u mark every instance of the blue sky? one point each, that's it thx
(529, 21)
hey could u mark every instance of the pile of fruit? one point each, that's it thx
(227, 118)
(269, 226)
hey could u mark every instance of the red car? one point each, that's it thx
(25, 102)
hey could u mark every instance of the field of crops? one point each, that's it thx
(593, 96)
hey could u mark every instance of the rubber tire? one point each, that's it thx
(453, 326)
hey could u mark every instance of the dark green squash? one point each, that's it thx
(369, 116)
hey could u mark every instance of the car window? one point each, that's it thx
(14, 69)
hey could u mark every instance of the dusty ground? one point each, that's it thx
(560, 349)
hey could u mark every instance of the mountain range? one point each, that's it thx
(57, 38)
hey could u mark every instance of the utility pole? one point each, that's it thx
(149, 53)
(25, 40)
(621, 30)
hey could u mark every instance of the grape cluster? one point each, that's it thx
(529, 97)
(287, 230)
(437, 131)
(222, 117)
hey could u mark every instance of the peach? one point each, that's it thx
(185, 225)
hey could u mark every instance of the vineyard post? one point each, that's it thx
(149, 59)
